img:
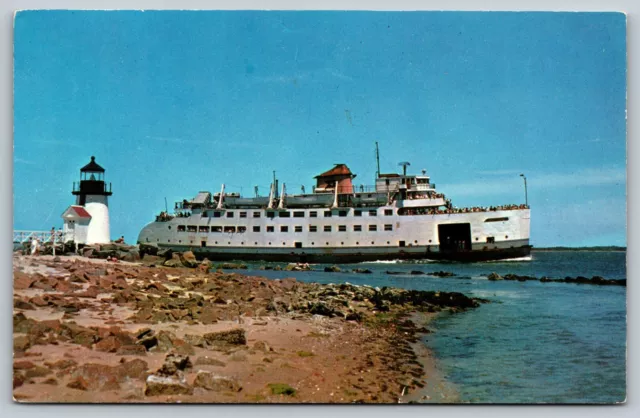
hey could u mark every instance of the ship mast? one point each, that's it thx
(377, 161)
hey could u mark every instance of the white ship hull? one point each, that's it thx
(345, 236)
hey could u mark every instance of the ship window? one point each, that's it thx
(298, 229)
(285, 214)
(313, 214)
(388, 227)
(357, 228)
(496, 219)
(298, 214)
(284, 228)
(327, 228)
(256, 214)
(256, 229)
(373, 212)
(401, 244)
(205, 214)
(373, 227)
(216, 229)
(327, 213)
(342, 213)
(388, 212)
(313, 228)
(217, 214)
(342, 228)
(203, 243)
(491, 240)
(182, 228)
(230, 229)
(506, 237)
(229, 214)
(192, 228)
(298, 245)
(243, 214)
(357, 213)
(242, 229)
(270, 229)
(204, 229)
(271, 214)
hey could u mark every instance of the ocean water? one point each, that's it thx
(535, 342)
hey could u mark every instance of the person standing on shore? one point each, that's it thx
(34, 246)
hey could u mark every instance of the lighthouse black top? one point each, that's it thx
(91, 182)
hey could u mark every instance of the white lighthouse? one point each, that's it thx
(87, 222)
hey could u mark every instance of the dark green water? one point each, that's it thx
(536, 342)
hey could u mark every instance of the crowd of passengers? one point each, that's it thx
(451, 209)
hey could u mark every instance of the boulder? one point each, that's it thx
(167, 385)
(174, 261)
(226, 338)
(494, 277)
(188, 259)
(174, 363)
(332, 269)
(216, 383)
(361, 271)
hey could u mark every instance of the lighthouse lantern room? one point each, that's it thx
(87, 222)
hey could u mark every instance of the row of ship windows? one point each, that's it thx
(283, 228)
(297, 244)
(296, 214)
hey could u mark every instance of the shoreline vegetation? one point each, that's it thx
(93, 330)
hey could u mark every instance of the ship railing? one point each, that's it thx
(21, 236)
(454, 210)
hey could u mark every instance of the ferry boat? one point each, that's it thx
(402, 217)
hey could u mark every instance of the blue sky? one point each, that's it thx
(171, 103)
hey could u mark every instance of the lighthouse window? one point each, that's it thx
(298, 229)
(313, 214)
(204, 229)
(357, 228)
(216, 229)
(342, 213)
(284, 228)
(182, 228)
(230, 229)
(373, 212)
(192, 228)
(270, 229)
(256, 214)
(285, 214)
(342, 228)
(313, 228)
(357, 213)
(373, 227)
(298, 214)
(256, 229)
(388, 227)
(242, 229)
(217, 214)
(388, 212)
(229, 214)
(327, 228)
(243, 214)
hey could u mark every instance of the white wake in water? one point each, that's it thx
(511, 260)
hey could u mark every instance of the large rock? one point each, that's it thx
(167, 385)
(494, 277)
(217, 383)
(226, 338)
(332, 269)
(188, 259)
(174, 363)
(174, 261)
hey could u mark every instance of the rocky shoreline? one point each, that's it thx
(88, 330)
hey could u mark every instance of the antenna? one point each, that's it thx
(166, 208)
(377, 160)
(404, 165)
